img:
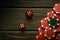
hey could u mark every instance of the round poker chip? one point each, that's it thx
(44, 23)
(58, 16)
(49, 33)
(53, 22)
(57, 8)
(57, 29)
(50, 14)
(57, 36)
(40, 37)
(41, 31)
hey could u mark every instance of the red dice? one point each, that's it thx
(29, 14)
(22, 26)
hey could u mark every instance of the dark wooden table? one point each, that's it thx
(12, 13)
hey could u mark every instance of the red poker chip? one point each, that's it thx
(57, 29)
(41, 31)
(57, 8)
(50, 14)
(49, 33)
(40, 37)
(58, 16)
(57, 36)
(44, 23)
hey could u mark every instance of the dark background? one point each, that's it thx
(12, 12)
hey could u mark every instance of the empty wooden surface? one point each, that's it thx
(13, 12)
(18, 35)
(28, 3)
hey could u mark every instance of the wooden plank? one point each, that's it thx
(18, 38)
(11, 17)
(18, 35)
(28, 3)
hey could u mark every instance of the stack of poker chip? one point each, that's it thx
(50, 25)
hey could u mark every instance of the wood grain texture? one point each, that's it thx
(18, 35)
(28, 3)
(11, 17)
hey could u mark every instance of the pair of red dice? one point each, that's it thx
(50, 26)
(29, 15)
